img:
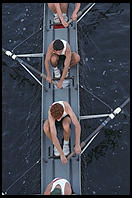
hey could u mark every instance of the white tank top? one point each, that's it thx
(64, 113)
(64, 49)
(61, 182)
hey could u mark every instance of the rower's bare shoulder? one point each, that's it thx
(67, 106)
(50, 47)
(49, 50)
(66, 103)
(68, 47)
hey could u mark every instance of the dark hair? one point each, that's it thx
(58, 45)
(56, 111)
(56, 191)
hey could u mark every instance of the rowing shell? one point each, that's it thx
(52, 167)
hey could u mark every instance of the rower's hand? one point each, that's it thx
(59, 84)
(74, 16)
(48, 78)
(77, 149)
(64, 23)
(63, 159)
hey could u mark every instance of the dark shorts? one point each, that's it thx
(59, 123)
(61, 60)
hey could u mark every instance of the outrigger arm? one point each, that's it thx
(93, 116)
(39, 55)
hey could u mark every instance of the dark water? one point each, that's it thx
(103, 39)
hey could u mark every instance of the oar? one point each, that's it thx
(93, 116)
(24, 64)
(86, 8)
(91, 137)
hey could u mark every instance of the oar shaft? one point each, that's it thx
(31, 74)
(85, 12)
(96, 131)
(80, 12)
(84, 9)
(73, 152)
(89, 142)
(13, 56)
(125, 103)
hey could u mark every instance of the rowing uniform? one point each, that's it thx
(64, 49)
(62, 56)
(61, 182)
(59, 122)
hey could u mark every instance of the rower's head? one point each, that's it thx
(58, 46)
(56, 191)
(56, 111)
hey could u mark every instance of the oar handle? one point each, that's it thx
(70, 21)
(73, 153)
(80, 13)
(44, 76)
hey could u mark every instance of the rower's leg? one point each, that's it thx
(66, 126)
(54, 60)
(52, 7)
(75, 58)
(64, 7)
(66, 133)
(46, 129)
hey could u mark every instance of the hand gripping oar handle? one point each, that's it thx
(80, 12)
(13, 56)
(73, 153)
(90, 138)
(44, 76)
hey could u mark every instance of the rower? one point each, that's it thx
(59, 186)
(59, 50)
(60, 114)
(60, 12)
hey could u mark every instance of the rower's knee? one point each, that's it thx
(74, 59)
(52, 7)
(54, 60)
(66, 127)
(77, 58)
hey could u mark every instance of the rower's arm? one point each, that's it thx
(75, 122)
(77, 7)
(48, 189)
(58, 10)
(74, 14)
(47, 60)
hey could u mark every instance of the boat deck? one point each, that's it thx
(51, 167)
